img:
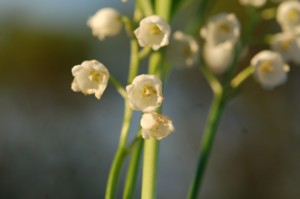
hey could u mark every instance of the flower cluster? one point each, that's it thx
(287, 43)
(222, 51)
(145, 94)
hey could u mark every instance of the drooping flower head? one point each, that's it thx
(145, 93)
(269, 69)
(155, 125)
(153, 31)
(91, 77)
(218, 57)
(183, 51)
(106, 22)
(254, 3)
(287, 44)
(221, 28)
(288, 15)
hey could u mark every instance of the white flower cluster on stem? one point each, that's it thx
(287, 43)
(145, 94)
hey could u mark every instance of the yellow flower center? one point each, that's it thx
(266, 67)
(223, 27)
(95, 76)
(285, 45)
(148, 90)
(154, 29)
(293, 15)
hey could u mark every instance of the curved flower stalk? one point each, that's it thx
(183, 50)
(106, 22)
(153, 31)
(145, 93)
(91, 77)
(288, 15)
(269, 69)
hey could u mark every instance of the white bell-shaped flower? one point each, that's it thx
(155, 125)
(288, 15)
(91, 77)
(287, 44)
(269, 69)
(106, 22)
(218, 57)
(153, 31)
(183, 50)
(254, 3)
(145, 93)
(221, 28)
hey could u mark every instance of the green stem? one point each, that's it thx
(118, 86)
(146, 7)
(155, 63)
(163, 8)
(151, 145)
(241, 77)
(207, 143)
(120, 155)
(144, 52)
(114, 173)
(134, 60)
(121, 151)
(133, 169)
(150, 169)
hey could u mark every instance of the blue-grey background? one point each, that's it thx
(56, 144)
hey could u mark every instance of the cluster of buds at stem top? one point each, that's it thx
(145, 94)
(221, 33)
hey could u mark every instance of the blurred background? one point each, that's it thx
(56, 144)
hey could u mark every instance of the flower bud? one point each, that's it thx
(106, 22)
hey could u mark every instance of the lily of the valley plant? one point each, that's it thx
(213, 42)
